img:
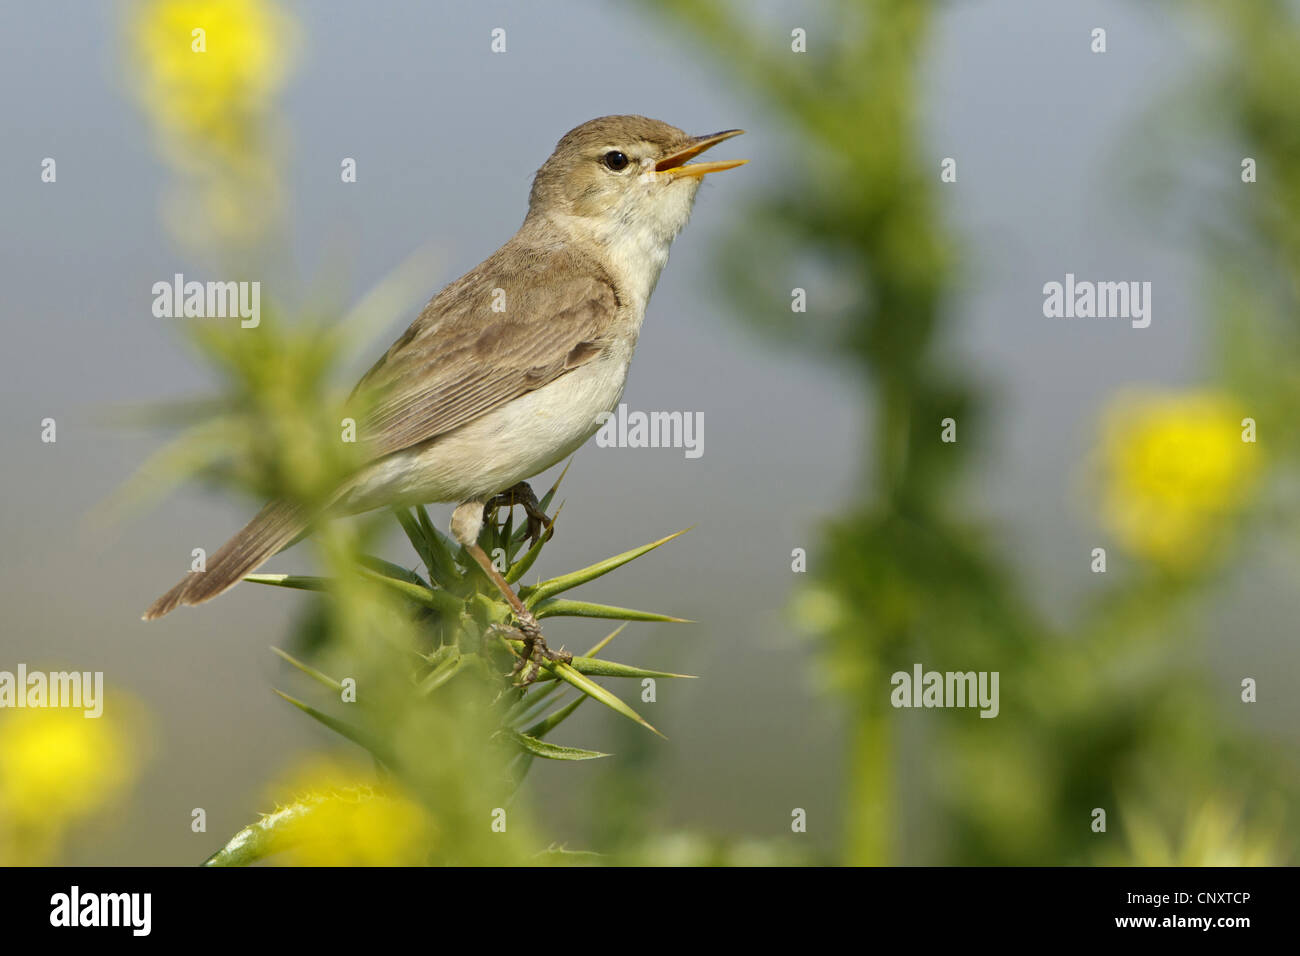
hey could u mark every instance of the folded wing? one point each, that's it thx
(483, 341)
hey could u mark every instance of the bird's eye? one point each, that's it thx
(615, 160)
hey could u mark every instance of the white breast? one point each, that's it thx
(506, 446)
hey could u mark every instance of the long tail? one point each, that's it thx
(274, 528)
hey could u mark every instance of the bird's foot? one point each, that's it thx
(539, 524)
(529, 665)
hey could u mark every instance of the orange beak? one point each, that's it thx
(674, 164)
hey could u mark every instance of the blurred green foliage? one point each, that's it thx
(1116, 712)
(416, 666)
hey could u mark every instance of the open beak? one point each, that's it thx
(675, 165)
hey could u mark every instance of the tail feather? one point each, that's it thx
(274, 528)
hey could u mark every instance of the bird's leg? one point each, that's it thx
(539, 523)
(466, 521)
(535, 650)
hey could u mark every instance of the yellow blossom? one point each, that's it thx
(1175, 468)
(336, 818)
(58, 767)
(204, 66)
(206, 72)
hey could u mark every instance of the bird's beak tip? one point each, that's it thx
(675, 163)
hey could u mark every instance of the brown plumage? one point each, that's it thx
(507, 369)
(274, 527)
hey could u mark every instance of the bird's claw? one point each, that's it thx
(534, 653)
(539, 523)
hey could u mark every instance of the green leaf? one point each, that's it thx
(308, 670)
(527, 705)
(595, 667)
(443, 673)
(301, 582)
(506, 539)
(604, 641)
(392, 570)
(355, 734)
(199, 449)
(436, 598)
(549, 723)
(598, 667)
(532, 596)
(520, 567)
(592, 689)
(260, 839)
(560, 607)
(535, 704)
(415, 534)
(518, 768)
(540, 748)
(441, 547)
(550, 495)
(283, 828)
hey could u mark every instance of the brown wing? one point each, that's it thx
(461, 359)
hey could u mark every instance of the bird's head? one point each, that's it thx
(625, 173)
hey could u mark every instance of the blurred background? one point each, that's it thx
(1120, 690)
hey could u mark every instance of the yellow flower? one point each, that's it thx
(337, 819)
(206, 72)
(205, 67)
(56, 768)
(1176, 468)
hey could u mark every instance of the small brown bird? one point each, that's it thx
(473, 399)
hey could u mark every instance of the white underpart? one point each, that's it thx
(505, 446)
(639, 231)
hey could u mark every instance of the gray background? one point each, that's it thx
(447, 137)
